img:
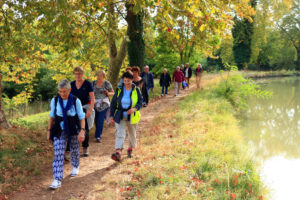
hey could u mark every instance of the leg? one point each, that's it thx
(120, 135)
(163, 89)
(176, 88)
(100, 116)
(86, 140)
(131, 135)
(166, 90)
(58, 162)
(197, 81)
(75, 151)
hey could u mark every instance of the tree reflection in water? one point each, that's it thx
(272, 126)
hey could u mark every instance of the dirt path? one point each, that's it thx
(94, 168)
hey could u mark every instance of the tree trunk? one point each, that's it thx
(3, 121)
(115, 58)
(136, 45)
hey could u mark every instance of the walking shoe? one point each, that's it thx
(116, 156)
(55, 184)
(129, 153)
(162, 95)
(85, 151)
(75, 171)
(98, 140)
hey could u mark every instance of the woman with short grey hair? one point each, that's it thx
(67, 122)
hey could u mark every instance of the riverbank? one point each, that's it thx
(268, 74)
(193, 150)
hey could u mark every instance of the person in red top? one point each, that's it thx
(178, 77)
(198, 73)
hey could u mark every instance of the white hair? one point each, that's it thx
(165, 69)
(64, 84)
(177, 67)
(146, 67)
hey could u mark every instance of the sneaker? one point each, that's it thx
(85, 151)
(129, 153)
(75, 171)
(116, 156)
(98, 140)
(55, 184)
(162, 95)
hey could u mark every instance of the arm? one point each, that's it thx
(51, 119)
(81, 117)
(151, 81)
(113, 105)
(92, 98)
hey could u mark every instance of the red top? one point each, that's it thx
(178, 76)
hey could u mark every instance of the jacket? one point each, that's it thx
(150, 80)
(116, 109)
(190, 72)
(178, 76)
(168, 80)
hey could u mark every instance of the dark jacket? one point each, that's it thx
(150, 80)
(167, 81)
(117, 112)
(198, 71)
(190, 72)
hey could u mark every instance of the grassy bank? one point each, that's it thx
(269, 74)
(194, 151)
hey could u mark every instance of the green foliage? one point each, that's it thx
(237, 89)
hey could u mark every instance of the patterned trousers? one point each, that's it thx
(59, 153)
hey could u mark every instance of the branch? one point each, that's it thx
(287, 33)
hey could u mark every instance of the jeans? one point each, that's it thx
(121, 134)
(99, 121)
(163, 89)
(59, 152)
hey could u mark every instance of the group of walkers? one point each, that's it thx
(80, 103)
(181, 78)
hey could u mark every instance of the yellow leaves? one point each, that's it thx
(202, 27)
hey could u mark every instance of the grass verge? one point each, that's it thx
(193, 151)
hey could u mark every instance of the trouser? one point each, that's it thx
(59, 152)
(164, 88)
(99, 121)
(198, 80)
(146, 96)
(177, 86)
(187, 81)
(121, 134)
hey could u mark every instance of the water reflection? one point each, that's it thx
(272, 129)
(272, 126)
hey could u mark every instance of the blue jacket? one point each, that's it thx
(150, 80)
(117, 112)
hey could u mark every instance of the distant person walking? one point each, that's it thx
(198, 74)
(124, 111)
(149, 84)
(165, 82)
(188, 74)
(102, 90)
(83, 89)
(177, 78)
(182, 70)
(67, 122)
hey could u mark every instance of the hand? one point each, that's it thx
(81, 136)
(88, 113)
(132, 110)
(112, 120)
(106, 92)
(151, 89)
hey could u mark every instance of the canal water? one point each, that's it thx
(271, 128)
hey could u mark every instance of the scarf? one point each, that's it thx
(65, 110)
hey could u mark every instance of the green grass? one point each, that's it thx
(36, 121)
(194, 151)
